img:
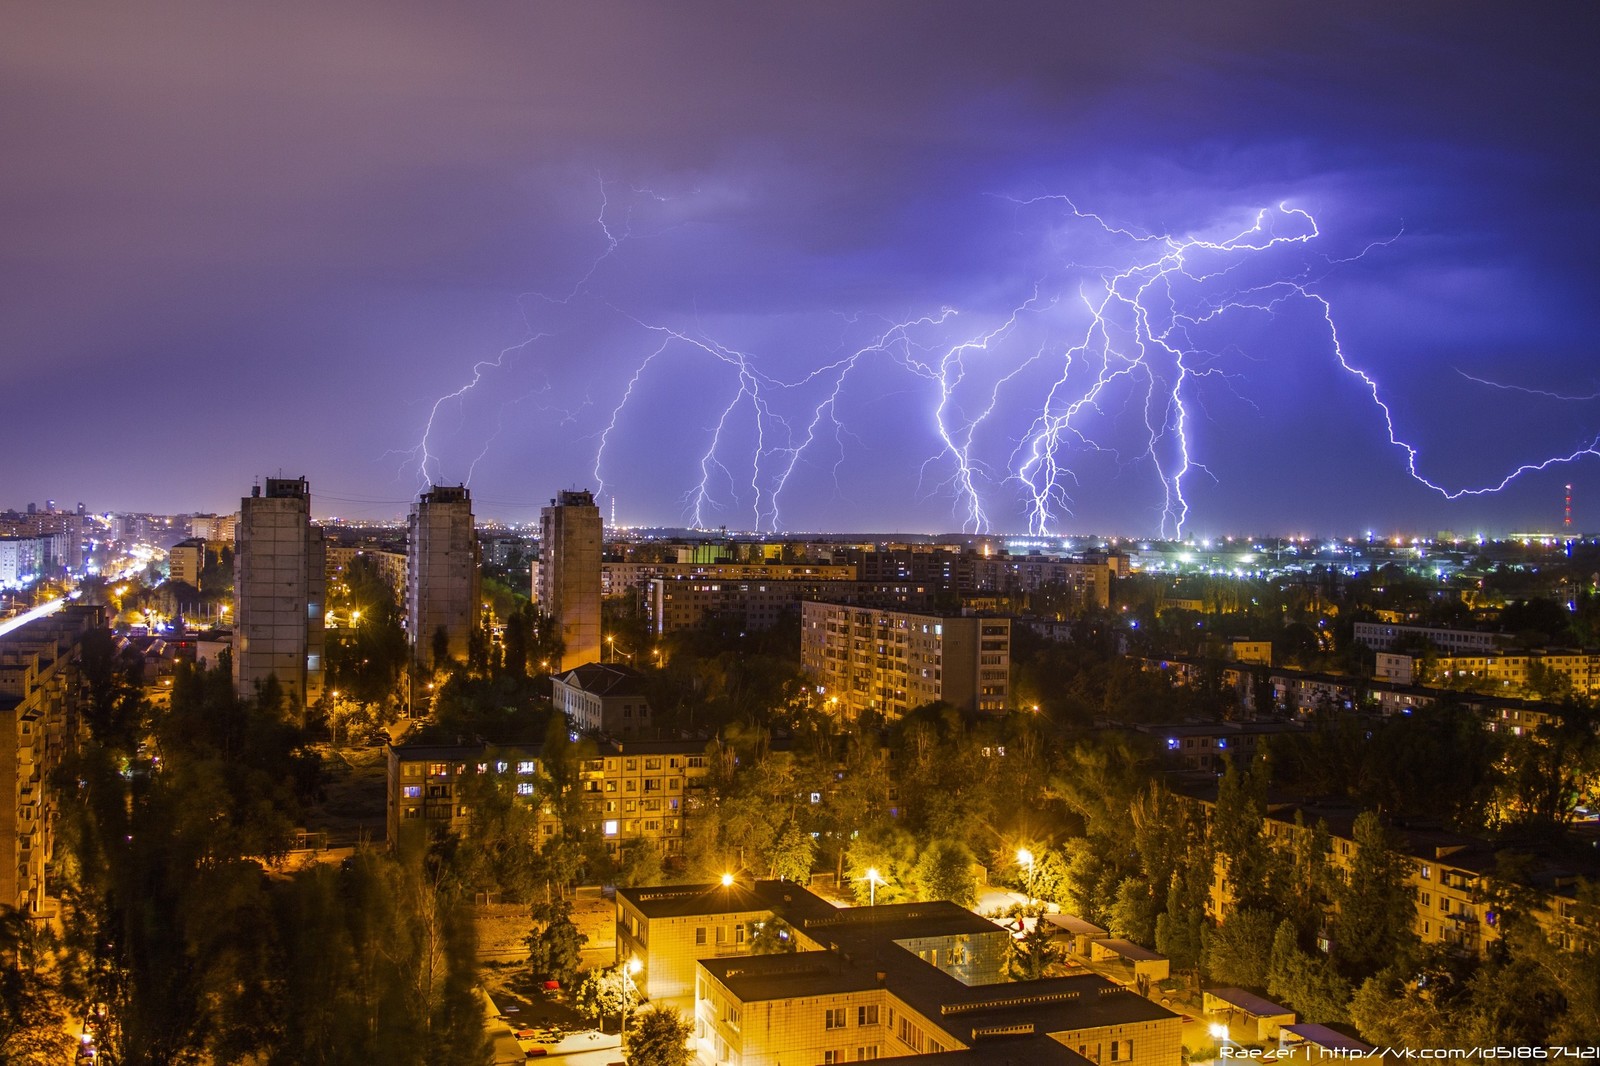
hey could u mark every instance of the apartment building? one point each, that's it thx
(38, 726)
(568, 574)
(638, 790)
(873, 659)
(443, 565)
(676, 604)
(280, 585)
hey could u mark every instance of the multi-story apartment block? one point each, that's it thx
(392, 567)
(634, 790)
(869, 982)
(619, 576)
(442, 582)
(185, 561)
(38, 726)
(873, 659)
(213, 528)
(1451, 878)
(644, 790)
(568, 574)
(279, 581)
(603, 699)
(686, 603)
(429, 785)
(1383, 636)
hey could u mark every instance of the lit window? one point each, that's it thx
(610, 827)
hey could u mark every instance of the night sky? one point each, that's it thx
(862, 244)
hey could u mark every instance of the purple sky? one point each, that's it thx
(250, 237)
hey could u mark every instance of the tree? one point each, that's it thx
(555, 946)
(600, 995)
(1307, 983)
(1033, 953)
(946, 872)
(1239, 951)
(1372, 926)
(659, 1037)
(33, 1012)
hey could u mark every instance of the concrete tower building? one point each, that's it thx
(442, 576)
(569, 575)
(279, 589)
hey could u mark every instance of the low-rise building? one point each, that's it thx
(870, 982)
(604, 699)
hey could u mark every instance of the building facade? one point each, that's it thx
(603, 699)
(38, 727)
(279, 586)
(890, 662)
(569, 574)
(863, 983)
(442, 573)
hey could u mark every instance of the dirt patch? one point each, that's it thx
(351, 809)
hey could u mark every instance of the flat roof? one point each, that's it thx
(1249, 1002)
(809, 973)
(1323, 1037)
(1129, 950)
(685, 901)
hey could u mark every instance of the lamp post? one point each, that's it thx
(1219, 1032)
(633, 967)
(1025, 860)
(872, 886)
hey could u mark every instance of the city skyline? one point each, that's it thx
(249, 241)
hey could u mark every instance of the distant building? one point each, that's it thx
(22, 560)
(603, 699)
(569, 574)
(755, 604)
(429, 784)
(443, 573)
(1381, 636)
(279, 586)
(186, 560)
(39, 693)
(872, 659)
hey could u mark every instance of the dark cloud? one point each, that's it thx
(246, 237)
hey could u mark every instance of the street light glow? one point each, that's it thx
(727, 879)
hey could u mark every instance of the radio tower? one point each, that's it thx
(1566, 522)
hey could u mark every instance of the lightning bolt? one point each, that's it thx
(1108, 359)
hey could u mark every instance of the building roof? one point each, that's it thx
(1074, 925)
(1249, 1002)
(789, 976)
(1028, 1049)
(1320, 1036)
(684, 901)
(1129, 950)
(604, 679)
(863, 943)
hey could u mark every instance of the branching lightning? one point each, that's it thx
(1107, 363)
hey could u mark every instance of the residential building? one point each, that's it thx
(392, 567)
(443, 573)
(569, 574)
(185, 561)
(603, 699)
(868, 982)
(676, 604)
(279, 584)
(890, 662)
(630, 791)
(1383, 636)
(39, 692)
(429, 786)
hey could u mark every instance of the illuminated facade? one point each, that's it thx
(39, 688)
(569, 575)
(279, 586)
(864, 983)
(442, 573)
(872, 659)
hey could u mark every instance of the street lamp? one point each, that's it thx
(1219, 1033)
(872, 886)
(1025, 860)
(727, 880)
(633, 967)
